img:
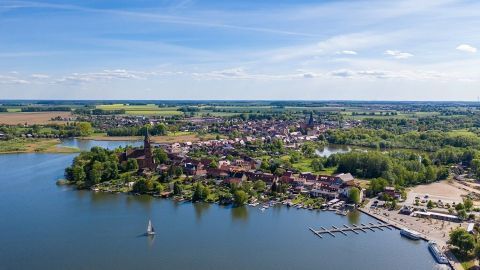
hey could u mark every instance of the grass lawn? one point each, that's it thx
(305, 165)
(467, 261)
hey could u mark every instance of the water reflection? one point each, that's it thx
(332, 149)
(200, 209)
(143, 200)
(239, 213)
(86, 145)
(354, 217)
(150, 240)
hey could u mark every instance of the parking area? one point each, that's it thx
(440, 192)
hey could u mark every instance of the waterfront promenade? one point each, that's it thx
(431, 230)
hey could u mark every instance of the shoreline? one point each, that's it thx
(453, 262)
(110, 138)
(38, 145)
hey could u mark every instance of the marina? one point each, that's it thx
(353, 228)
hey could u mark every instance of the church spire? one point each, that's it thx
(147, 136)
(310, 121)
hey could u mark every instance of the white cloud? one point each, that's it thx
(347, 52)
(105, 75)
(408, 75)
(466, 48)
(6, 79)
(398, 54)
(344, 73)
(40, 76)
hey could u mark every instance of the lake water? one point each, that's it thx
(45, 226)
(333, 149)
(88, 144)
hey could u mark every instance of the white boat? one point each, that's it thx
(437, 253)
(150, 229)
(410, 234)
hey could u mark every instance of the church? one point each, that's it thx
(143, 156)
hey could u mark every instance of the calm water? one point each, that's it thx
(87, 144)
(333, 149)
(44, 226)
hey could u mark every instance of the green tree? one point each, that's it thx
(461, 239)
(213, 164)
(142, 186)
(78, 174)
(177, 188)
(317, 165)
(84, 128)
(468, 203)
(95, 174)
(132, 164)
(200, 192)
(354, 195)
(259, 186)
(430, 204)
(160, 155)
(240, 197)
(159, 129)
(462, 214)
(459, 206)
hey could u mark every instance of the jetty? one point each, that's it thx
(380, 226)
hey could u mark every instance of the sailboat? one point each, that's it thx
(150, 229)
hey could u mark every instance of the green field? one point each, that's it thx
(149, 109)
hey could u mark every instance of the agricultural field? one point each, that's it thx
(149, 109)
(31, 118)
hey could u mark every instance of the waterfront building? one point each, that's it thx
(144, 156)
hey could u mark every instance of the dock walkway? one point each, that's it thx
(354, 228)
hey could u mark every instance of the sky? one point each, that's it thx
(242, 49)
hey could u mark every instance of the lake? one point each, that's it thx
(45, 226)
(331, 149)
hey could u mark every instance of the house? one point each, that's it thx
(287, 177)
(235, 178)
(217, 173)
(194, 168)
(325, 191)
(390, 191)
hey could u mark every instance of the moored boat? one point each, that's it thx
(437, 253)
(410, 234)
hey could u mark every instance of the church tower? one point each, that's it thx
(311, 122)
(147, 148)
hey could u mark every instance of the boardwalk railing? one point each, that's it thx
(353, 228)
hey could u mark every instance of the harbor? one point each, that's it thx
(353, 228)
(399, 223)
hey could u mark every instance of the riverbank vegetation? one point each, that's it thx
(465, 246)
(74, 129)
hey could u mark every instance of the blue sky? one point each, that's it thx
(187, 49)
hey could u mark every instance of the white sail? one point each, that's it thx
(150, 229)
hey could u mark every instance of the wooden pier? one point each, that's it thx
(353, 228)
